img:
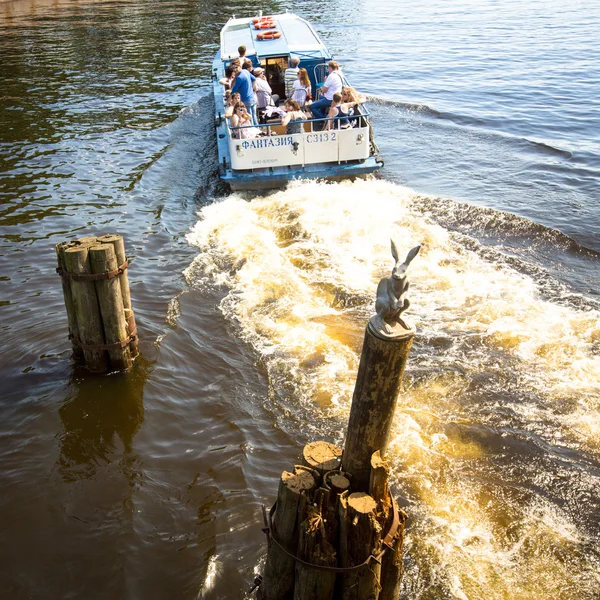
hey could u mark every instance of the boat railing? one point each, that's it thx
(317, 142)
(356, 118)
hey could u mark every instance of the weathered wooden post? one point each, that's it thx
(388, 339)
(362, 539)
(392, 520)
(119, 246)
(101, 325)
(110, 300)
(315, 547)
(345, 537)
(280, 565)
(85, 304)
(68, 296)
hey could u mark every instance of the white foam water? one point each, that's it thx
(300, 268)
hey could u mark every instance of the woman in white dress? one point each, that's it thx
(302, 90)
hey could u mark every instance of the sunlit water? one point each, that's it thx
(252, 308)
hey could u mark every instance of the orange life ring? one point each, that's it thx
(265, 25)
(259, 19)
(269, 35)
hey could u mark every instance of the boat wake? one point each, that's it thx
(470, 121)
(502, 389)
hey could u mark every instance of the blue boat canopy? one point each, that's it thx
(298, 38)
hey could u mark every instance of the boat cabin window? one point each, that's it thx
(274, 70)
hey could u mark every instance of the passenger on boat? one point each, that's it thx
(290, 76)
(335, 110)
(241, 118)
(244, 84)
(332, 85)
(264, 93)
(351, 99)
(242, 54)
(343, 106)
(302, 89)
(247, 64)
(227, 81)
(232, 101)
(293, 118)
(352, 95)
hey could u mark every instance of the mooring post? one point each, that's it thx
(378, 382)
(388, 339)
(110, 300)
(278, 581)
(68, 297)
(362, 535)
(85, 305)
(388, 511)
(119, 246)
(338, 523)
(96, 292)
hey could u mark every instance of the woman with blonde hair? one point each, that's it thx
(302, 89)
(348, 106)
(349, 94)
(343, 106)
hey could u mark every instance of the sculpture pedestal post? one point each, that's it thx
(378, 382)
(342, 536)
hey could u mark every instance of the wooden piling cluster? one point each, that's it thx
(335, 531)
(327, 541)
(96, 291)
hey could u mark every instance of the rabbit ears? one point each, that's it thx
(409, 256)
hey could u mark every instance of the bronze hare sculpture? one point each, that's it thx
(391, 299)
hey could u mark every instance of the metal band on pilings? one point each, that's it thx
(93, 276)
(387, 541)
(132, 337)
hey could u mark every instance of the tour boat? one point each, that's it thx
(272, 157)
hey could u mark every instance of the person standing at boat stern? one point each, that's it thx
(244, 84)
(302, 89)
(332, 85)
(264, 93)
(290, 76)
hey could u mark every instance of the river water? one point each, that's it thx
(251, 309)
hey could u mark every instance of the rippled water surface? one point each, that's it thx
(251, 309)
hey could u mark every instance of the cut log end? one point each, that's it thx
(322, 456)
(110, 238)
(87, 240)
(339, 483)
(362, 503)
(299, 481)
